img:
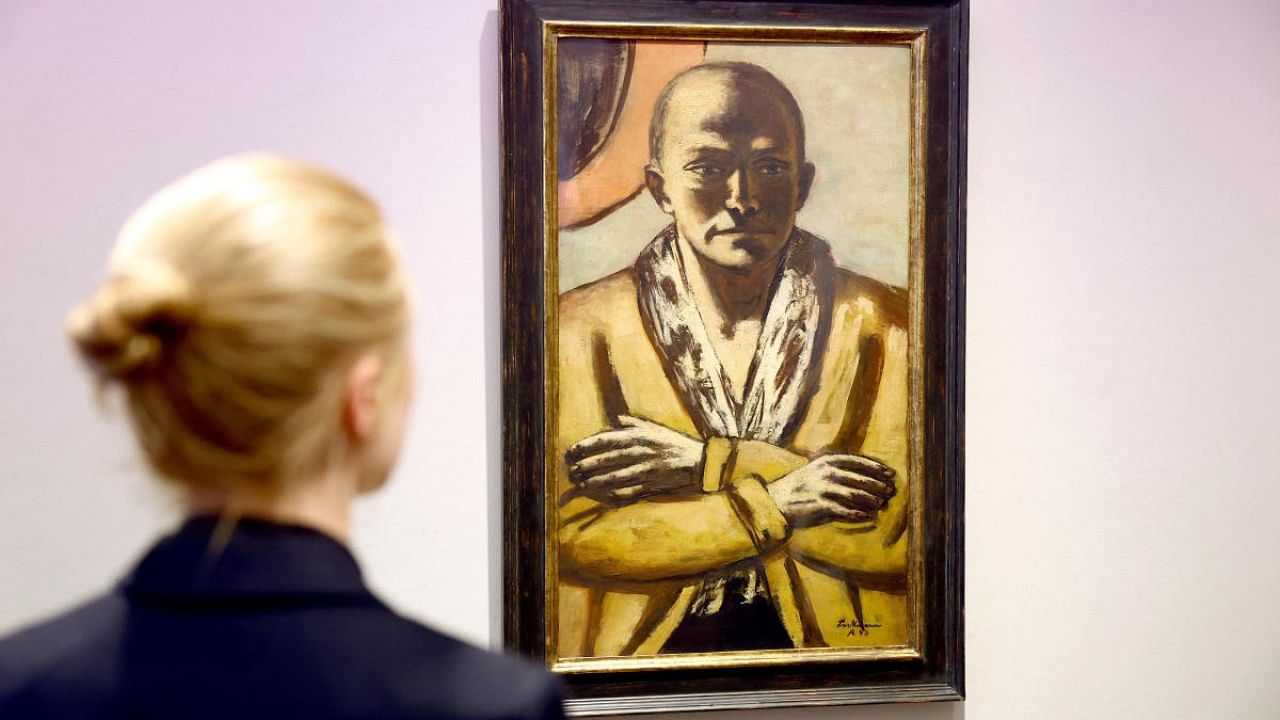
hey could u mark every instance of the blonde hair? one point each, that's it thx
(236, 298)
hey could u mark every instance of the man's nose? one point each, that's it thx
(741, 200)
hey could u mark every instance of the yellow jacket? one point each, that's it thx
(628, 573)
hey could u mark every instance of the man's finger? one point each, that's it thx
(880, 488)
(601, 442)
(859, 463)
(630, 475)
(854, 499)
(611, 459)
(650, 430)
(630, 492)
(843, 513)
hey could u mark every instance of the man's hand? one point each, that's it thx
(637, 459)
(830, 488)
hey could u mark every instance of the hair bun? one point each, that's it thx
(126, 327)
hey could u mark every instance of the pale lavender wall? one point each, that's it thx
(1124, 217)
(100, 104)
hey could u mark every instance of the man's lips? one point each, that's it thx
(739, 232)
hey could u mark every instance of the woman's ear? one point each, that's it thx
(360, 398)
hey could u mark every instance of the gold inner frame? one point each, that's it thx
(916, 40)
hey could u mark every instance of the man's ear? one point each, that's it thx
(807, 171)
(360, 398)
(656, 183)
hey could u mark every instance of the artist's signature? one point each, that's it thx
(854, 627)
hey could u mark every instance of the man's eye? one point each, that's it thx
(772, 168)
(705, 169)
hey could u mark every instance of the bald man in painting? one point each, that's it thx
(732, 427)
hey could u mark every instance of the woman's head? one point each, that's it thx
(255, 315)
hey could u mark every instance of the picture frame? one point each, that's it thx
(571, 71)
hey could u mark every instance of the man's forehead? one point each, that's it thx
(715, 122)
(726, 104)
(727, 108)
(707, 139)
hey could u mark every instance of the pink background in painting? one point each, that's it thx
(1124, 219)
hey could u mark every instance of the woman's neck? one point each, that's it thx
(322, 502)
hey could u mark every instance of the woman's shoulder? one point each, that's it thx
(421, 667)
(112, 657)
(59, 659)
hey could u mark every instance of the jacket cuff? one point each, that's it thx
(758, 513)
(756, 457)
(717, 460)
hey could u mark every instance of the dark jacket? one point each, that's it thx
(278, 624)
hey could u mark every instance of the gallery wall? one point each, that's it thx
(1124, 227)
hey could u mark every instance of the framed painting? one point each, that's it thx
(733, 283)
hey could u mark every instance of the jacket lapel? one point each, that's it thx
(791, 339)
(676, 329)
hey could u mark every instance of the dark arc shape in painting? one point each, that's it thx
(592, 82)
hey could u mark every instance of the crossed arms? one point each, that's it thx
(640, 501)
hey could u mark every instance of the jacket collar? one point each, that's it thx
(258, 560)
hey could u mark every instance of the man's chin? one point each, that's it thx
(754, 249)
(739, 260)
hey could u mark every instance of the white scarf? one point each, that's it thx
(783, 370)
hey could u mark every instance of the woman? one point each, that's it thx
(255, 317)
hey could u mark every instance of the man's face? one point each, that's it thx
(729, 170)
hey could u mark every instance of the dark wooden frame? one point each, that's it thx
(939, 673)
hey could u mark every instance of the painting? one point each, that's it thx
(733, 417)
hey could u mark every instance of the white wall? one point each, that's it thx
(1124, 217)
